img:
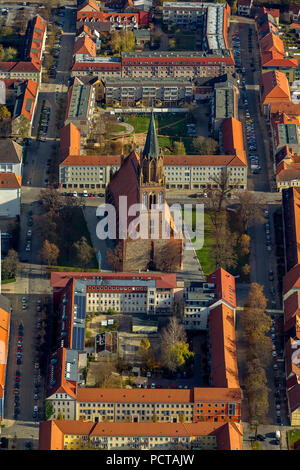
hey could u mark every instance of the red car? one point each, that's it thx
(91, 195)
(158, 386)
(174, 386)
(17, 378)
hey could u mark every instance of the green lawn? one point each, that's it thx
(165, 125)
(205, 254)
(256, 445)
(114, 128)
(293, 436)
(185, 41)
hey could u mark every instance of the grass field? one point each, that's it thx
(185, 42)
(205, 255)
(293, 436)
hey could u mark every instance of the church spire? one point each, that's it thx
(151, 149)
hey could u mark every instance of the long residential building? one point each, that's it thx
(125, 92)
(81, 100)
(73, 435)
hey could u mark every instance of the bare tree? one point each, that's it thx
(49, 253)
(115, 257)
(251, 210)
(84, 252)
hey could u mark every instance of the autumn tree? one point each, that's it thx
(5, 121)
(174, 348)
(205, 146)
(84, 252)
(122, 41)
(143, 351)
(49, 253)
(251, 210)
(179, 148)
(10, 265)
(224, 252)
(246, 269)
(244, 244)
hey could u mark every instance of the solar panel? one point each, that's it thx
(79, 302)
(78, 338)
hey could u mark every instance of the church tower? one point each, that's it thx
(152, 176)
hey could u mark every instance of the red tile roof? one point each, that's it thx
(203, 160)
(88, 5)
(89, 160)
(232, 138)
(85, 45)
(271, 43)
(274, 59)
(274, 87)
(69, 141)
(29, 99)
(292, 279)
(10, 181)
(62, 385)
(224, 371)
(225, 286)
(51, 433)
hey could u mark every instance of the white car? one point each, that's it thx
(152, 385)
(85, 193)
(274, 354)
(75, 194)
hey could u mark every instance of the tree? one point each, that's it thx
(179, 148)
(205, 146)
(181, 418)
(5, 115)
(115, 257)
(122, 41)
(255, 322)
(172, 333)
(244, 243)
(174, 349)
(84, 252)
(154, 418)
(144, 352)
(51, 199)
(49, 409)
(23, 127)
(169, 256)
(178, 309)
(251, 210)
(10, 264)
(49, 253)
(176, 355)
(224, 187)
(246, 269)
(60, 416)
(224, 252)
(2, 53)
(10, 54)
(234, 7)
(172, 43)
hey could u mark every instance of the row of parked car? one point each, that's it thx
(18, 372)
(45, 117)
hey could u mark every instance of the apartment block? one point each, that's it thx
(75, 435)
(210, 18)
(132, 92)
(80, 108)
(4, 342)
(166, 64)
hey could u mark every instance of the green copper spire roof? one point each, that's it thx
(151, 148)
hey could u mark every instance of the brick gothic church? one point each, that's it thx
(142, 179)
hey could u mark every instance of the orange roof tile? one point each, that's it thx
(232, 138)
(271, 43)
(274, 59)
(228, 435)
(203, 160)
(224, 371)
(89, 160)
(225, 286)
(85, 45)
(274, 87)
(69, 141)
(10, 181)
(292, 279)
